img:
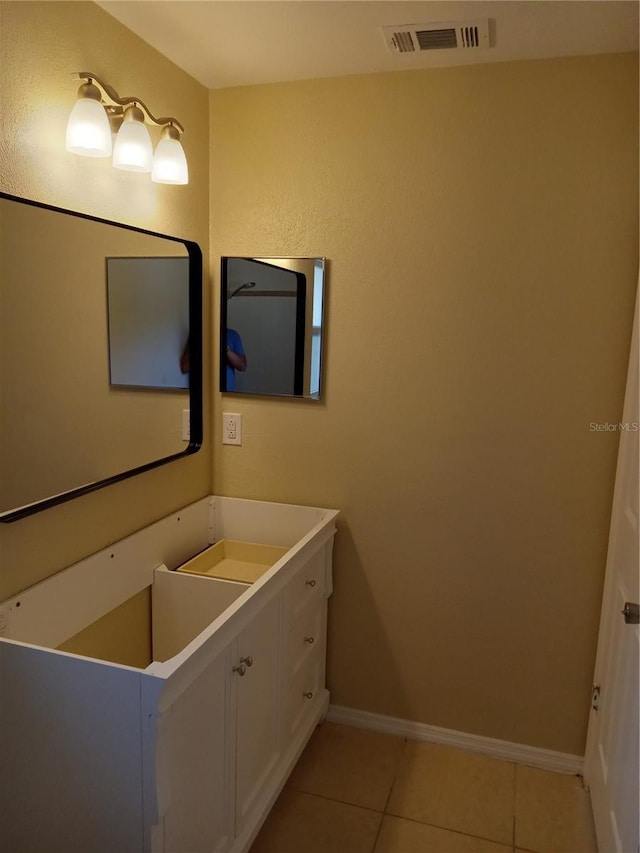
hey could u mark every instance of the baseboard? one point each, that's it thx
(519, 753)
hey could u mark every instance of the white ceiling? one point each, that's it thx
(226, 43)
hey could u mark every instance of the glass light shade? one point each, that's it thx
(88, 130)
(170, 163)
(133, 150)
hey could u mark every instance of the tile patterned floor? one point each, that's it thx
(356, 791)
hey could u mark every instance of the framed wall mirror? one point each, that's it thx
(70, 319)
(271, 329)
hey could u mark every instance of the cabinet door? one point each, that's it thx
(257, 722)
(194, 765)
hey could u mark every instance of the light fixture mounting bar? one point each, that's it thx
(117, 104)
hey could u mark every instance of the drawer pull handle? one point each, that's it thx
(309, 640)
(310, 583)
(308, 694)
(248, 660)
(241, 670)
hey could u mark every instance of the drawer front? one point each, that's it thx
(309, 584)
(304, 692)
(307, 637)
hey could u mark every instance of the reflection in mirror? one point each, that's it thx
(148, 305)
(65, 427)
(271, 326)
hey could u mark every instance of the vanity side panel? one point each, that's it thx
(70, 753)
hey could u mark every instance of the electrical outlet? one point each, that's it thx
(186, 425)
(231, 428)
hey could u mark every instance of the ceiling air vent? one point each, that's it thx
(414, 38)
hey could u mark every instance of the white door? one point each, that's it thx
(194, 766)
(611, 761)
(257, 720)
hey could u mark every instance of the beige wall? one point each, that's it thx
(41, 45)
(481, 229)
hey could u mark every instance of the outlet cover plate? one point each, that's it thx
(231, 428)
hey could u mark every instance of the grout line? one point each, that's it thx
(393, 782)
(335, 800)
(515, 785)
(395, 773)
(448, 828)
(455, 831)
(375, 841)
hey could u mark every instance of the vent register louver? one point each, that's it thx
(412, 38)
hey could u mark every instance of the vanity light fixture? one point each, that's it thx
(132, 149)
(99, 111)
(88, 129)
(169, 162)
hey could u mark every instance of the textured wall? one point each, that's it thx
(481, 226)
(41, 45)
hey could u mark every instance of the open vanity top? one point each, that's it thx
(252, 546)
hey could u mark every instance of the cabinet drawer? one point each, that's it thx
(308, 585)
(305, 691)
(307, 635)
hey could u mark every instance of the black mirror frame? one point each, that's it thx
(195, 368)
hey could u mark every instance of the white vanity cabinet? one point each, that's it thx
(189, 753)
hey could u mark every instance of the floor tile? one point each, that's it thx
(457, 790)
(553, 813)
(304, 823)
(347, 764)
(406, 836)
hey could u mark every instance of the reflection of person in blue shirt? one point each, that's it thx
(236, 359)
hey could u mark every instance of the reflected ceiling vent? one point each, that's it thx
(414, 38)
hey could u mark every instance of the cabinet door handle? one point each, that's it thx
(309, 640)
(631, 613)
(311, 583)
(248, 660)
(240, 669)
(308, 694)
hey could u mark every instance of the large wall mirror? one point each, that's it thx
(272, 317)
(100, 353)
